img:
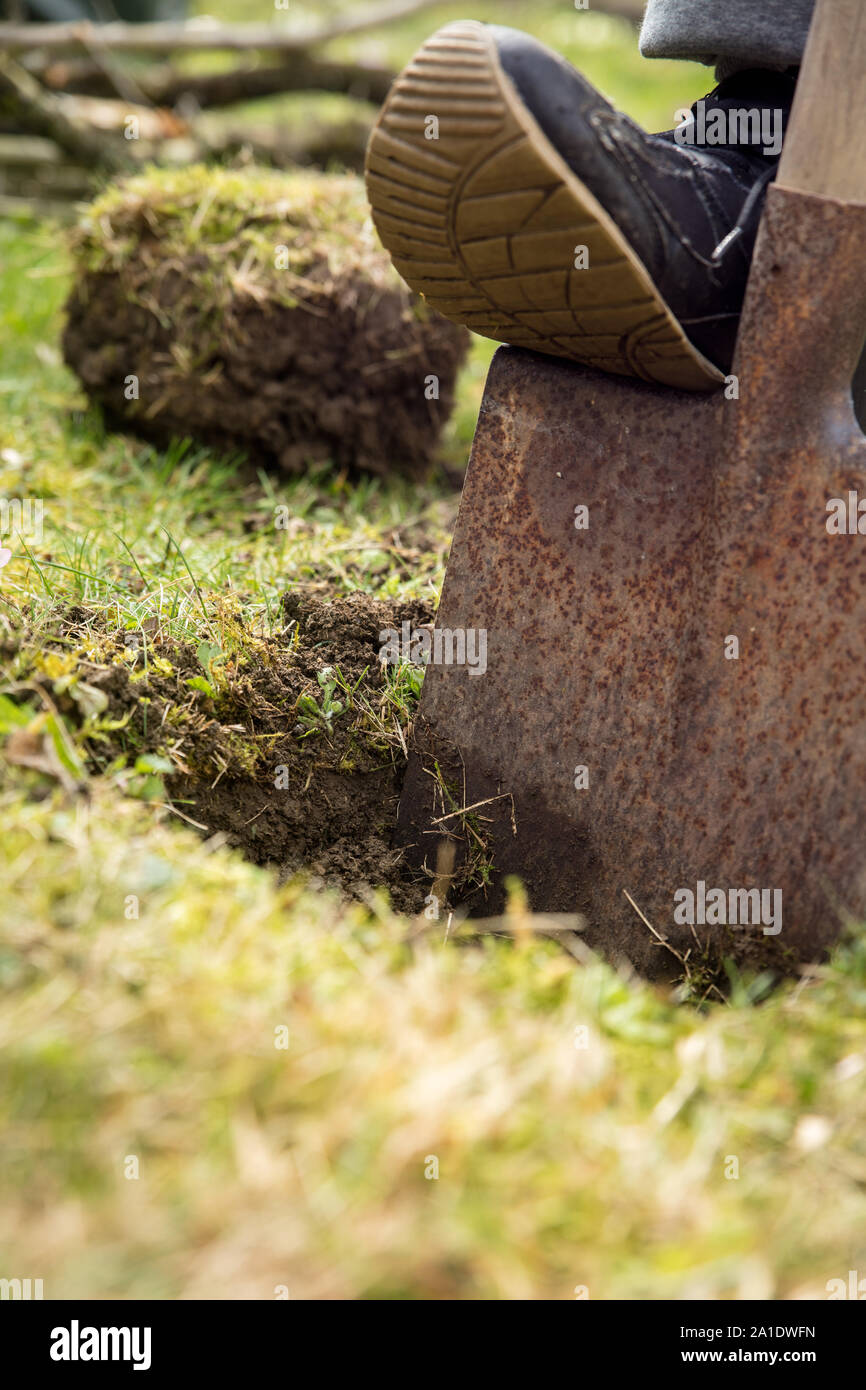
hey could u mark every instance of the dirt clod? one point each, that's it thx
(257, 311)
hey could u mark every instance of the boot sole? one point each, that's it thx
(487, 221)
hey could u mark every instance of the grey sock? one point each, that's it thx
(730, 34)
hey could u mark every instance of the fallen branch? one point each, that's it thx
(201, 34)
(198, 34)
(120, 82)
(166, 87)
(37, 112)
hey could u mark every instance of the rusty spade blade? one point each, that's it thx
(668, 725)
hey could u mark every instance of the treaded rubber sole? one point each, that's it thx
(487, 220)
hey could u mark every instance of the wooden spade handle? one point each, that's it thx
(825, 146)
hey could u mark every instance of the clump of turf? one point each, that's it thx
(254, 310)
(292, 747)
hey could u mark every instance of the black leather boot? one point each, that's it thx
(518, 201)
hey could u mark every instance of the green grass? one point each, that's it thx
(113, 508)
(145, 977)
(590, 1131)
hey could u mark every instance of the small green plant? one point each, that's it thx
(314, 717)
(146, 782)
(208, 655)
(14, 716)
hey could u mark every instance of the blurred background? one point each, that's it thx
(241, 85)
(66, 101)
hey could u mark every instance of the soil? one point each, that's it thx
(319, 799)
(336, 818)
